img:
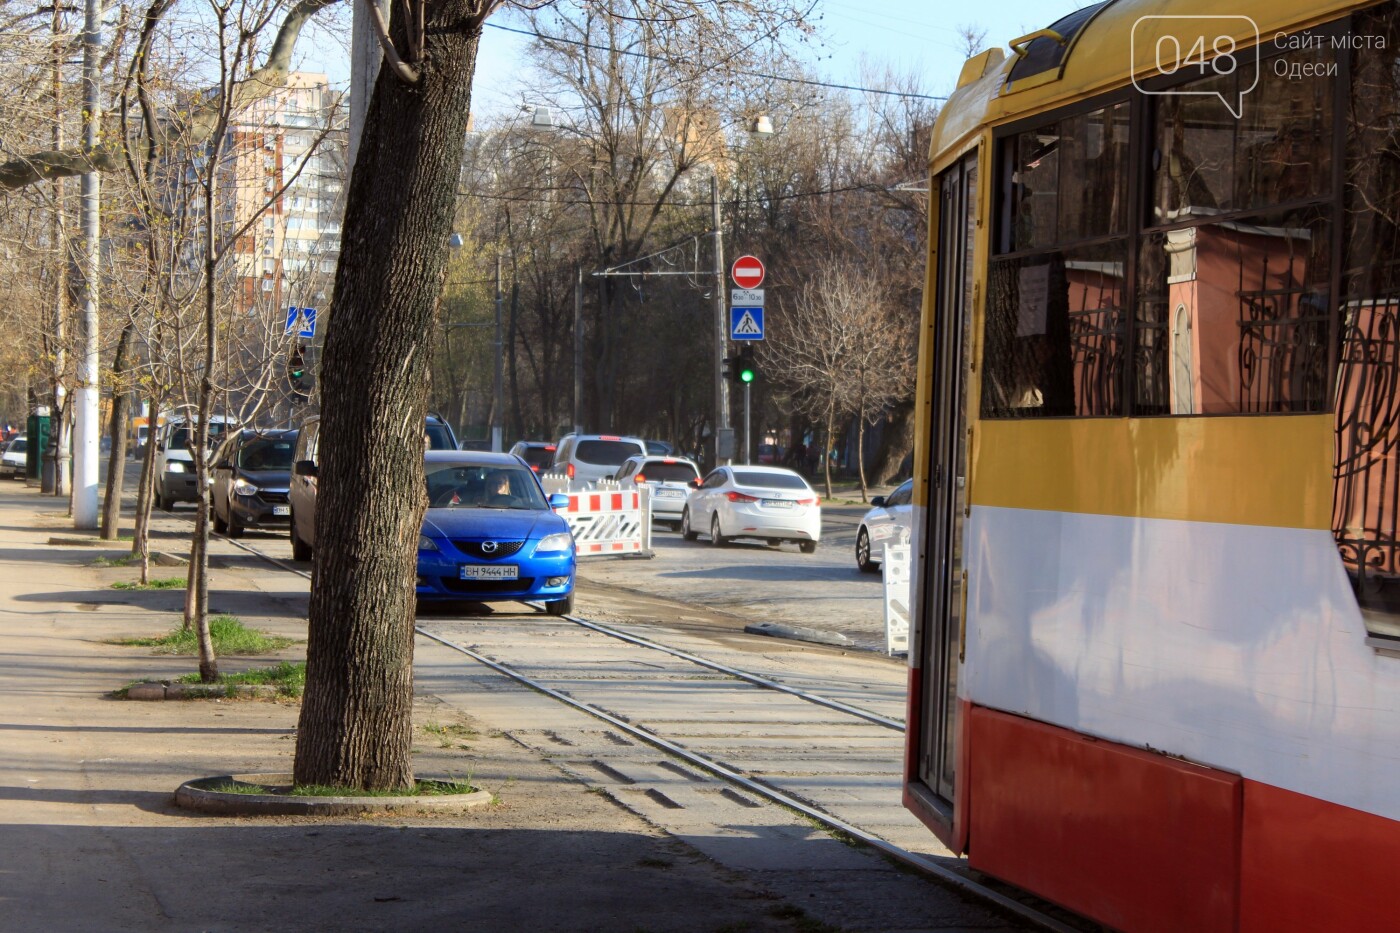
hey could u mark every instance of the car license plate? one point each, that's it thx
(501, 572)
(778, 503)
(281, 510)
(669, 493)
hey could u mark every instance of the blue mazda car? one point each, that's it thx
(491, 534)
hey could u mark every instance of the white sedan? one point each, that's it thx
(889, 522)
(769, 503)
(12, 460)
(669, 479)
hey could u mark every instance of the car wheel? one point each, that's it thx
(716, 539)
(162, 503)
(808, 547)
(300, 549)
(560, 607)
(235, 527)
(674, 526)
(687, 532)
(220, 526)
(863, 560)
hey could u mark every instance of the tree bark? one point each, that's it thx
(117, 430)
(355, 728)
(896, 443)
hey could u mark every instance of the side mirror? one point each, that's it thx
(878, 502)
(305, 468)
(224, 464)
(558, 501)
(695, 483)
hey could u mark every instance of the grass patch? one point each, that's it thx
(105, 561)
(448, 735)
(289, 677)
(229, 635)
(420, 789)
(169, 583)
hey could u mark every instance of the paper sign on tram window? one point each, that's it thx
(1034, 294)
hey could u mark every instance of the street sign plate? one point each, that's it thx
(746, 323)
(746, 297)
(747, 272)
(301, 320)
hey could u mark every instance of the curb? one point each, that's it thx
(799, 633)
(196, 795)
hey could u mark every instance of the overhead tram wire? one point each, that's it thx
(871, 188)
(748, 74)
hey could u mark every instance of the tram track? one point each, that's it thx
(782, 789)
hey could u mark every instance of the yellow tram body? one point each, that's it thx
(1155, 668)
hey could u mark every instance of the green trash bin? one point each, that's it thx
(37, 430)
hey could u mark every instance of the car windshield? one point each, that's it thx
(769, 480)
(267, 453)
(538, 456)
(607, 453)
(439, 437)
(180, 437)
(658, 471)
(460, 485)
(18, 445)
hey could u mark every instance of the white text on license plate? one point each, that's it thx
(501, 572)
(281, 510)
(778, 503)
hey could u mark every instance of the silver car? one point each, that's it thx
(889, 522)
(668, 478)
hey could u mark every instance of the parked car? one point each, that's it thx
(769, 503)
(668, 478)
(175, 479)
(252, 472)
(12, 462)
(889, 521)
(491, 534)
(538, 454)
(587, 458)
(306, 459)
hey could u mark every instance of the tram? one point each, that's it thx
(1155, 665)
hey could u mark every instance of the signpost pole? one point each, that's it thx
(748, 434)
(721, 337)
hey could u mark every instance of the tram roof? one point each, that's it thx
(1090, 52)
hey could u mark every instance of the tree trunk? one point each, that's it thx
(145, 491)
(118, 430)
(355, 728)
(896, 443)
(860, 456)
(825, 450)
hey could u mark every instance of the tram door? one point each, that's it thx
(941, 624)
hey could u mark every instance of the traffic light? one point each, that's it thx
(298, 375)
(730, 370)
(745, 370)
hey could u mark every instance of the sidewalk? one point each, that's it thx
(89, 838)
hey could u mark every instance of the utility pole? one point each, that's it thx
(498, 403)
(85, 444)
(724, 436)
(52, 470)
(365, 55)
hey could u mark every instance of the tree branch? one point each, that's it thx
(66, 163)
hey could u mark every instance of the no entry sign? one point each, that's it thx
(747, 272)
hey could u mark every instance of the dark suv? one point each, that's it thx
(252, 470)
(306, 461)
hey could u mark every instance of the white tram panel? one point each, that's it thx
(1238, 647)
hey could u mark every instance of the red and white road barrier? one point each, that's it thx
(607, 522)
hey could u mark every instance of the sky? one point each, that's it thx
(910, 35)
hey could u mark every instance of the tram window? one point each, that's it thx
(1035, 188)
(1093, 196)
(1233, 315)
(1054, 338)
(1277, 152)
(1366, 502)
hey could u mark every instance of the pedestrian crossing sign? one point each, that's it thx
(302, 321)
(746, 323)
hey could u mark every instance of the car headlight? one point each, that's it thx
(175, 466)
(242, 487)
(426, 543)
(553, 544)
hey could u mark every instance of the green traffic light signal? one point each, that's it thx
(745, 370)
(746, 373)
